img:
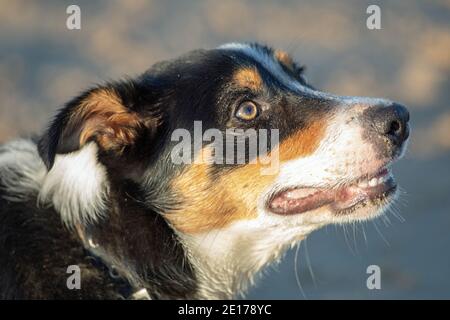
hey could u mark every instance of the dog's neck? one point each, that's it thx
(220, 264)
(227, 261)
(144, 248)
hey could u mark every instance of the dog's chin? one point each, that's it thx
(361, 199)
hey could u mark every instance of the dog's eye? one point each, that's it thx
(247, 111)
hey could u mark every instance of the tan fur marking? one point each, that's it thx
(285, 59)
(103, 117)
(248, 78)
(302, 143)
(211, 203)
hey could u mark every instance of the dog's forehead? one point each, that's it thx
(277, 63)
(250, 64)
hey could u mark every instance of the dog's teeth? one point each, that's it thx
(363, 184)
(373, 182)
(382, 179)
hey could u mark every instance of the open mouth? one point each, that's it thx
(342, 199)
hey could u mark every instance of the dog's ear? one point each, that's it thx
(108, 115)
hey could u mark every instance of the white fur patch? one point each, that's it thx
(227, 260)
(21, 170)
(77, 186)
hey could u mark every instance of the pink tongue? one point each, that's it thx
(301, 200)
(348, 197)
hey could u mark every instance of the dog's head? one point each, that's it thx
(233, 147)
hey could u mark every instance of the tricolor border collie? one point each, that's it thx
(99, 189)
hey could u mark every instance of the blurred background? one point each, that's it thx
(43, 64)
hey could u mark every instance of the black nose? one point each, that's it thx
(392, 122)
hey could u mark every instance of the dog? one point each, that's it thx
(99, 191)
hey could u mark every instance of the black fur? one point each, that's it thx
(36, 248)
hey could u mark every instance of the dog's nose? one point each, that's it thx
(392, 122)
